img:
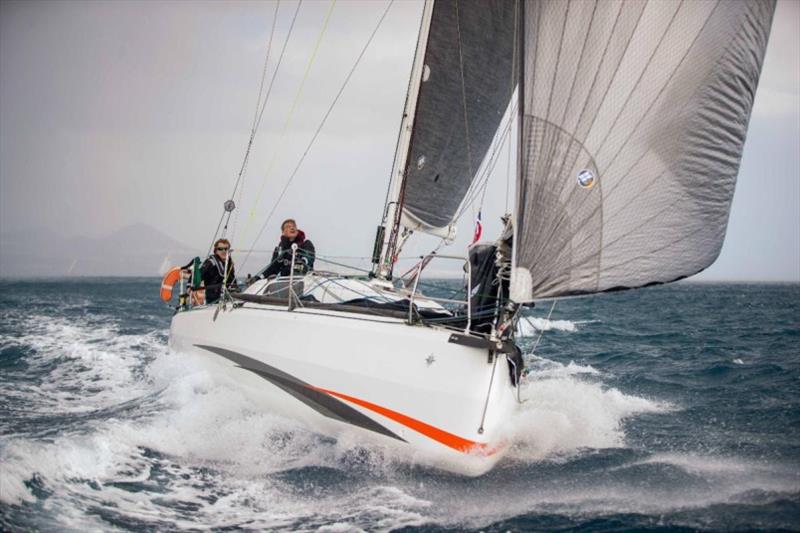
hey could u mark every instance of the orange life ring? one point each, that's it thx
(169, 281)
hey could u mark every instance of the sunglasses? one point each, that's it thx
(223, 249)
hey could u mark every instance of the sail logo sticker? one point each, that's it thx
(586, 178)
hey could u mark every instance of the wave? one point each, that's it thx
(543, 368)
(564, 414)
(73, 368)
(529, 326)
(193, 449)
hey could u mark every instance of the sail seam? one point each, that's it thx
(610, 82)
(621, 180)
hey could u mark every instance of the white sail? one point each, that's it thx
(635, 115)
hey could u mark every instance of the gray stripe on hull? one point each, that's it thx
(321, 402)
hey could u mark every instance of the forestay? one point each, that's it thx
(635, 115)
(466, 84)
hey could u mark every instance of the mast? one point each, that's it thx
(390, 225)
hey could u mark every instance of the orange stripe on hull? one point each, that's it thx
(439, 435)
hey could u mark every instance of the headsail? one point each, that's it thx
(467, 82)
(635, 115)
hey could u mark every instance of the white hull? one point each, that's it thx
(401, 385)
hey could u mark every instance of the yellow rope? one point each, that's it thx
(282, 138)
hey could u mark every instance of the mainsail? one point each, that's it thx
(634, 119)
(466, 84)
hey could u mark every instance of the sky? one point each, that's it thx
(121, 113)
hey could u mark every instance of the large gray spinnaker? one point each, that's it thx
(635, 115)
(467, 83)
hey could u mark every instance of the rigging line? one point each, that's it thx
(219, 225)
(266, 62)
(496, 145)
(278, 65)
(493, 163)
(541, 333)
(479, 184)
(483, 186)
(289, 116)
(254, 127)
(463, 92)
(263, 107)
(511, 94)
(508, 177)
(321, 125)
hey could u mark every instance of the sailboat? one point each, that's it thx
(631, 120)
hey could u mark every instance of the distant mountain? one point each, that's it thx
(137, 250)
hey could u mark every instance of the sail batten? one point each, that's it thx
(633, 123)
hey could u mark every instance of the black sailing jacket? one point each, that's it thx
(282, 256)
(211, 272)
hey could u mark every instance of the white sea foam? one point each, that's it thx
(530, 326)
(542, 368)
(564, 414)
(212, 443)
(82, 367)
(198, 452)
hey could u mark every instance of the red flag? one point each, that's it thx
(478, 229)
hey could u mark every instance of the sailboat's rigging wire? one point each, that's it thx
(507, 133)
(264, 70)
(216, 231)
(277, 65)
(485, 172)
(508, 176)
(479, 184)
(254, 130)
(290, 114)
(463, 93)
(511, 85)
(545, 328)
(482, 181)
(321, 125)
(256, 120)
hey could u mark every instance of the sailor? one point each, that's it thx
(212, 271)
(282, 255)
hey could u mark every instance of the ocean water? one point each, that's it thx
(668, 408)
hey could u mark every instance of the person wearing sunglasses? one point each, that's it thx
(212, 272)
